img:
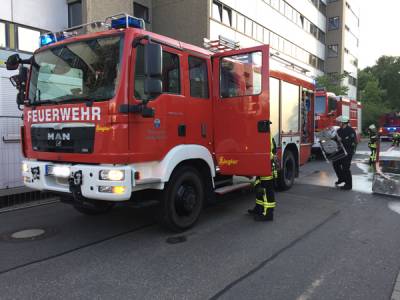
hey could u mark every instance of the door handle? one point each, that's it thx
(264, 126)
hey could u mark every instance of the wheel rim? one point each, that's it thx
(186, 200)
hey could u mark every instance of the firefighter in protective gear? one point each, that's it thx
(342, 166)
(396, 139)
(264, 187)
(373, 143)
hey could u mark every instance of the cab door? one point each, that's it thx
(241, 111)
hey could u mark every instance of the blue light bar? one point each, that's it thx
(47, 39)
(121, 23)
(51, 38)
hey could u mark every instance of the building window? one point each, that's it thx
(198, 77)
(217, 11)
(314, 30)
(3, 40)
(352, 80)
(28, 39)
(171, 73)
(333, 23)
(248, 27)
(227, 16)
(74, 13)
(141, 12)
(321, 36)
(240, 23)
(333, 50)
(322, 7)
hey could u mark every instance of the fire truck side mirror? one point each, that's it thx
(13, 62)
(153, 60)
(20, 98)
(152, 86)
(153, 69)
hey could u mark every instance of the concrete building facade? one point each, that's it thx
(21, 23)
(318, 36)
(342, 41)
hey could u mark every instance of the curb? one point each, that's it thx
(396, 289)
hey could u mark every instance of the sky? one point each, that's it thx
(379, 30)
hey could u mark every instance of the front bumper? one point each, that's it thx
(35, 177)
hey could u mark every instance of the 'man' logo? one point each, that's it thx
(58, 136)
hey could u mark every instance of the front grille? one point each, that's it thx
(66, 140)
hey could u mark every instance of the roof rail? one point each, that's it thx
(221, 45)
(288, 64)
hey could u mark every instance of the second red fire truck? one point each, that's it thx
(128, 115)
(328, 107)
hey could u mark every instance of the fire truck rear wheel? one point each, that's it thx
(288, 172)
(94, 207)
(182, 200)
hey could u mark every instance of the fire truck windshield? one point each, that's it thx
(84, 70)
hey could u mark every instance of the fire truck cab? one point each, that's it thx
(128, 115)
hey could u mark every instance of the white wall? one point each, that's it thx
(50, 15)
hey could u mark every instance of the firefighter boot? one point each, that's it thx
(257, 210)
(264, 218)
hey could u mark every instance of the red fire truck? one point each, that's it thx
(328, 107)
(389, 124)
(124, 114)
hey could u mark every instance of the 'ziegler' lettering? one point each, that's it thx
(227, 162)
(64, 114)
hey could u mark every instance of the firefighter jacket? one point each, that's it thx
(348, 136)
(373, 138)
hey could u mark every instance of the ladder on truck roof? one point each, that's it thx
(224, 44)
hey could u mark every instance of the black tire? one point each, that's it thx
(182, 200)
(288, 171)
(94, 207)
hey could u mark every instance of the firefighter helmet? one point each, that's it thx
(372, 127)
(342, 119)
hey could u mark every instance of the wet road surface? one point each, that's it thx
(324, 244)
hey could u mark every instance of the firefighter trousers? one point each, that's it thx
(372, 157)
(342, 170)
(265, 197)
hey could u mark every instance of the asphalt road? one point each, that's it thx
(324, 244)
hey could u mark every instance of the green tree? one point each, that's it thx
(372, 100)
(333, 83)
(387, 71)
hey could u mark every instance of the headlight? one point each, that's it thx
(25, 168)
(61, 171)
(112, 175)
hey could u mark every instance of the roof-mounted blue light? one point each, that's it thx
(51, 38)
(132, 22)
(47, 39)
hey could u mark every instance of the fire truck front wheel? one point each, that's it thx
(288, 172)
(182, 200)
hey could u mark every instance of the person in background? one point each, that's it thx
(396, 139)
(373, 143)
(347, 135)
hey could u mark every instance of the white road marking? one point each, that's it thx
(310, 291)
